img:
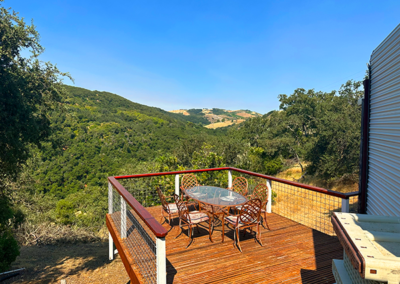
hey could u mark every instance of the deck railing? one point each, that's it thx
(144, 237)
(139, 238)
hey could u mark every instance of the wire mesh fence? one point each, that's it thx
(144, 189)
(353, 204)
(137, 238)
(310, 208)
(307, 207)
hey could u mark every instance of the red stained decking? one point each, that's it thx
(291, 253)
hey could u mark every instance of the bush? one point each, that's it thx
(9, 249)
(65, 212)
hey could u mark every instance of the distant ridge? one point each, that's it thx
(216, 117)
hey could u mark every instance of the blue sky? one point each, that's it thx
(205, 54)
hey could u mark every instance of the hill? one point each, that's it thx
(216, 117)
(98, 133)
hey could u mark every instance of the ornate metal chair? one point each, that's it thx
(248, 218)
(261, 192)
(240, 185)
(169, 209)
(188, 181)
(191, 219)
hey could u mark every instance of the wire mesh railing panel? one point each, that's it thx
(353, 204)
(144, 190)
(310, 208)
(137, 237)
(141, 243)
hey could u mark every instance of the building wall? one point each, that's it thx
(383, 186)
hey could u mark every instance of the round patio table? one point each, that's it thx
(215, 196)
(219, 199)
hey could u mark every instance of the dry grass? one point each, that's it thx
(182, 111)
(76, 263)
(244, 114)
(307, 207)
(219, 124)
(49, 234)
(345, 184)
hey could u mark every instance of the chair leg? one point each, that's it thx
(223, 230)
(190, 236)
(265, 219)
(210, 226)
(197, 226)
(259, 234)
(238, 239)
(180, 227)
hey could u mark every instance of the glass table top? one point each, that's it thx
(215, 195)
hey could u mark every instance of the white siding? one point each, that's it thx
(383, 188)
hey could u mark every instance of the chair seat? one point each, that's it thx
(232, 220)
(172, 208)
(198, 217)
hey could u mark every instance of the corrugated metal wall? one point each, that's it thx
(383, 188)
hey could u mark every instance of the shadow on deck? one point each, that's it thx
(291, 253)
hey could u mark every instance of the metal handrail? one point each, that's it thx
(150, 221)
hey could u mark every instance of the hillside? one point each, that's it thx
(216, 117)
(100, 132)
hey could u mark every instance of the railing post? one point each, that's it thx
(230, 181)
(177, 185)
(123, 218)
(269, 208)
(345, 205)
(110, 211)
(161, 261)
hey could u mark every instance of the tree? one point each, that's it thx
(335, 152)
(29, 91)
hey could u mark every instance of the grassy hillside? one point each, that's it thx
(99, 133)
(216, 117)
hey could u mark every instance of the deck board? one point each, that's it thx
(291, 253)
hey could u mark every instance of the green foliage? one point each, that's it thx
(65, 212)
(218, 111)
(321, 128)
(195, 111)
(336, 149)
(8, 249)
(83, 209)
(29, 91)
(100, 132)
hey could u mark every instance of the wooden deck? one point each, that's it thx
(291, 253)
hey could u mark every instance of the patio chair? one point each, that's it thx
(248, 218)
(167, 208)
(188, 181)
(240, 185)
(191, 219)
(261, 192)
